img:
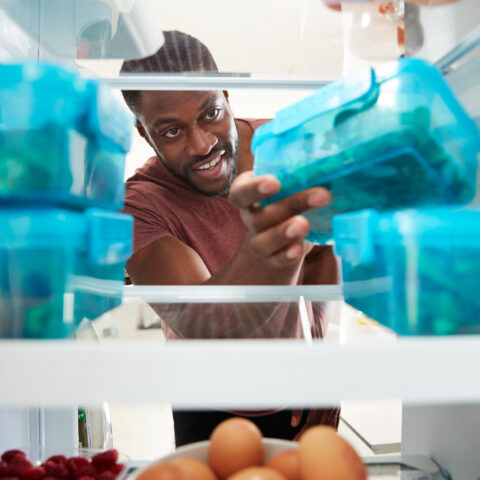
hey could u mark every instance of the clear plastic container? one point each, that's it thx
(390, 139)
(63, 138)
(58, 267)
(415, 271)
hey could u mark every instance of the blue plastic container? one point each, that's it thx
(63, 138)
(58, 267)
(415, 271)
(390, 139)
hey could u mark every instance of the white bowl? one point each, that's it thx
(199, 450)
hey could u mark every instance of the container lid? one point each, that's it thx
(40, 228)
(108, 119)
(110, 236)
(431, 226)
(355, 91)
(358, 91)
(357, 233)
(35, 93)
(105, 235)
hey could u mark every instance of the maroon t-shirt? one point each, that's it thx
(165, 206)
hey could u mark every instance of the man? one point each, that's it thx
(198, 222)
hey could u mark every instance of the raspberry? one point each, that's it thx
(58, 459)
(9, 454)
(74, 463)
(117, 468)
(17, 465)
(106, 475)
(105, 459)
(85, 471)
(56, 470)
(86, 478)
(33, 473)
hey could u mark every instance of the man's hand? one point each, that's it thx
(277, 230)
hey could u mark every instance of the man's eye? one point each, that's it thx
(172, 132)
(213, 112)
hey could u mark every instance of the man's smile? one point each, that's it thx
(210, 164)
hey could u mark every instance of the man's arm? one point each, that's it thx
(271, 254)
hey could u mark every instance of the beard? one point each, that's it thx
(230, 156)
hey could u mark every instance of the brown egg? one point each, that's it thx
(257, 473)
(287, 463)
(162, 471)
(325, 455)
(194, 469)
(235, 444)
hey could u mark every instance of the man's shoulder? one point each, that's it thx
(147, 171)
(254, 122)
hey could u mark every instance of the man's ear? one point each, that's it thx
(142, 132)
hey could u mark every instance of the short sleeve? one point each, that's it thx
(148, 225)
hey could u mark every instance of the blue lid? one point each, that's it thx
(353, 235)
(110, 236)
(105, 235)
(38, 228)
(109, 119)
(430, 75)
(33, 94)
(431, 226)
(354, 91)
(357, 233)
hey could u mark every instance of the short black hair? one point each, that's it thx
(179, 53)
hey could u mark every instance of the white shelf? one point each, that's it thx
(238, 373)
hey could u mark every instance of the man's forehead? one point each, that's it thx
(173, 100)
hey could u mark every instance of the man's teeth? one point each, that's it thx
(211, 164)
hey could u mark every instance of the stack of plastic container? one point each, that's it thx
(63, 245)
(387, 140)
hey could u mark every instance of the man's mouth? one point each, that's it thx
(211, 163)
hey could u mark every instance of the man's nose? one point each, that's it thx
(200, 141)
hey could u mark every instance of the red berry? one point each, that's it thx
(85, 471)
(58, 459)
(105, 459)
(17, 465)
(10, 478)
(117, 468)
(33, 473)
(56, 470)
(9, 454)
(49, 478)
(106, 475)
(86, 478)
(74, 463)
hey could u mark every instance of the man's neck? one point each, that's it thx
(245, 157)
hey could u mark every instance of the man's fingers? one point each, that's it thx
(279, 237)
(281, 210)
(247, 190)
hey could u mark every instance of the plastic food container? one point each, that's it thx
(58, 267)
(415, 271)
(63, 138)
(390, 139)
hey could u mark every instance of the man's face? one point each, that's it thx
(194, 136)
